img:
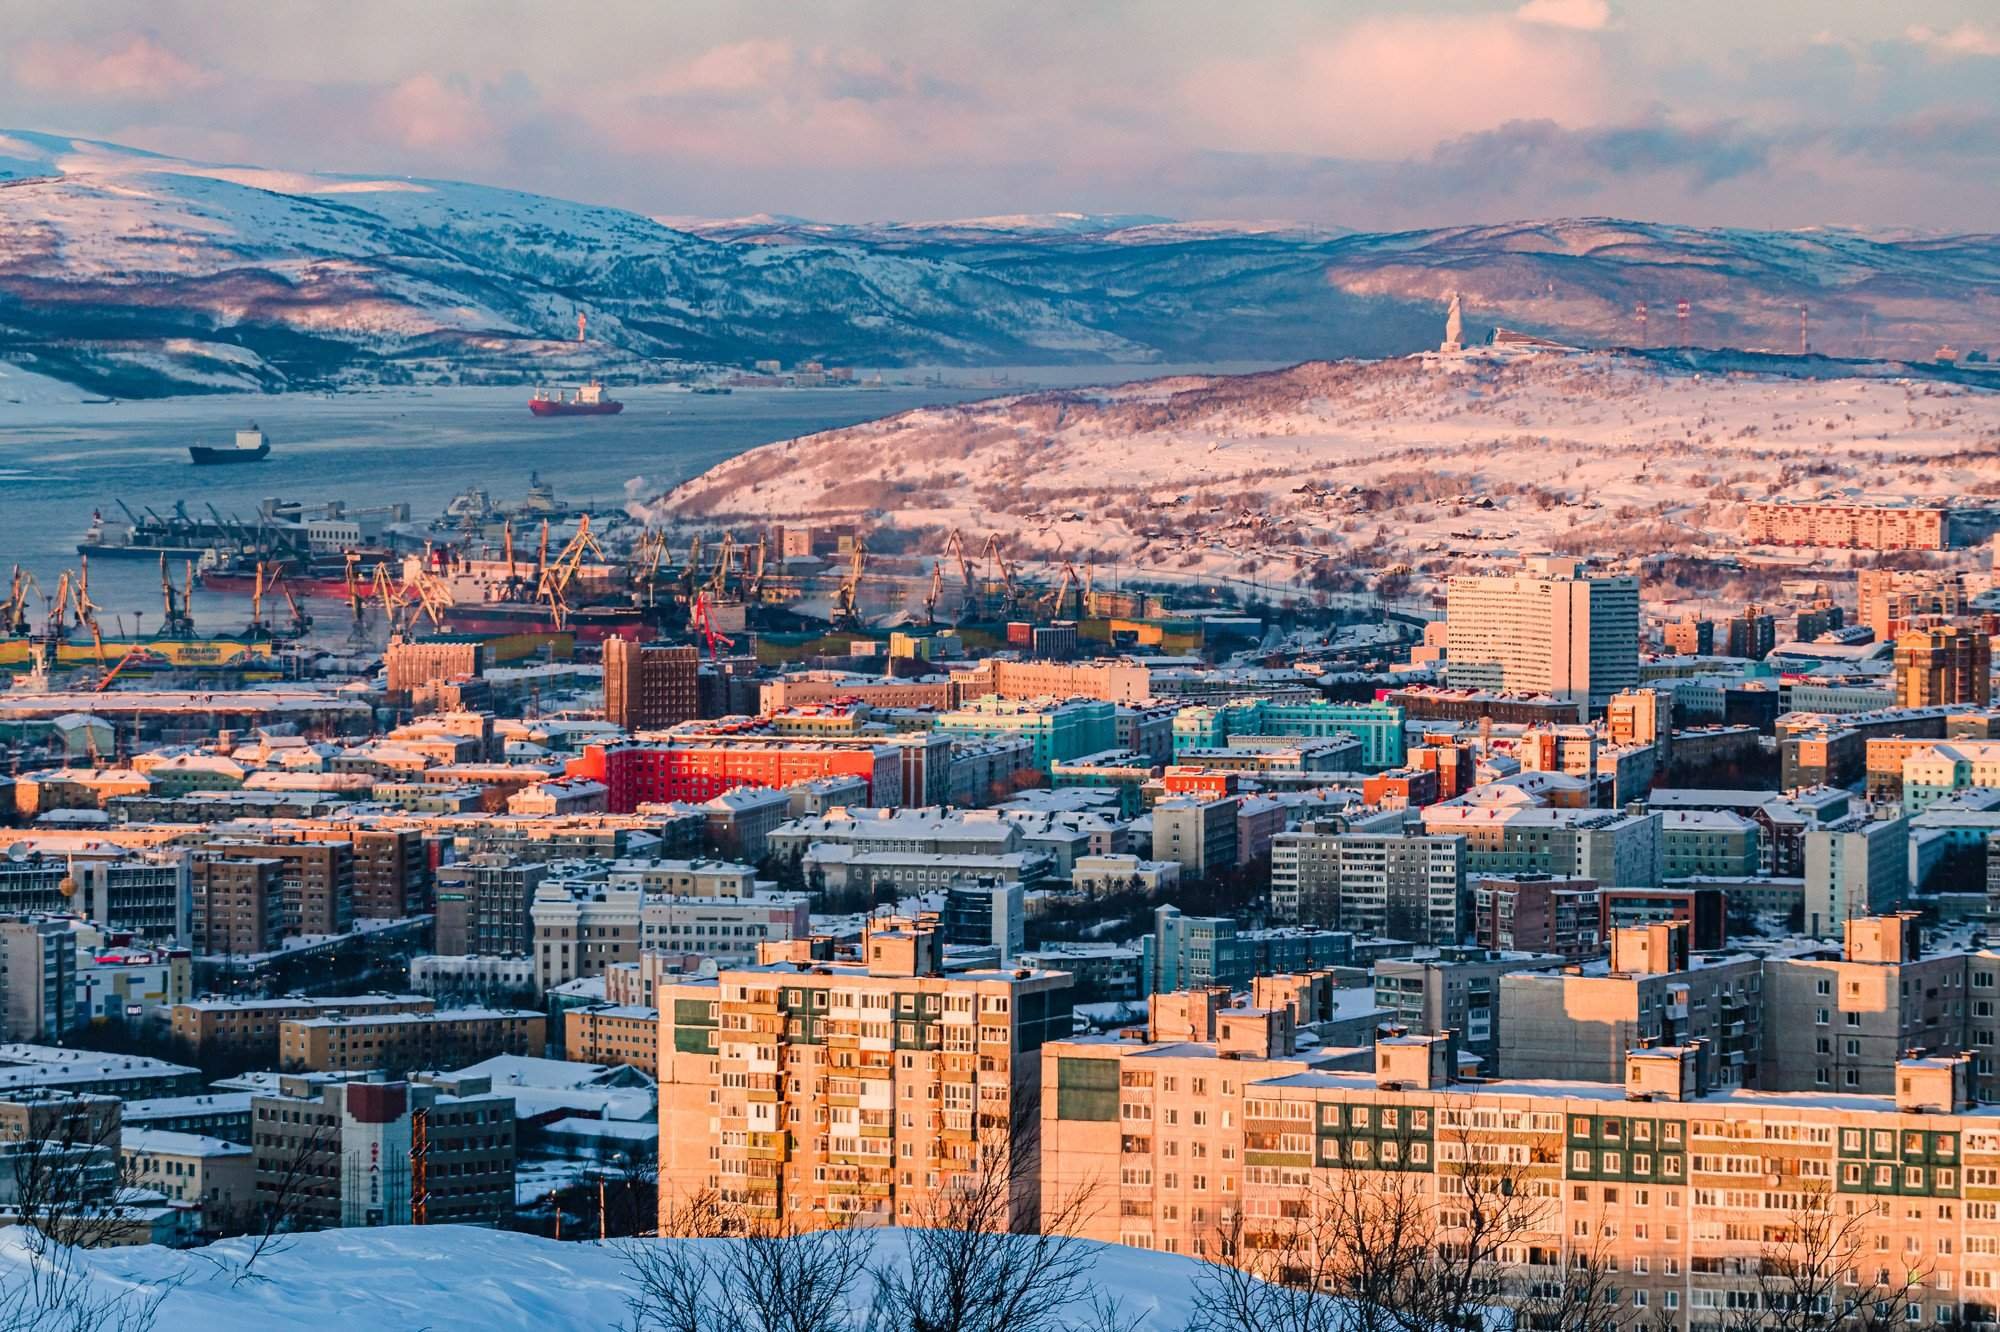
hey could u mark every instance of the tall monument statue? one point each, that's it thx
(1454, 326)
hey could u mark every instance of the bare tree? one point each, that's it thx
(1396, 1242)
(985, 1252)
(1819, 1270)
(283, 1194)
(66, 1189)
(721, 1270)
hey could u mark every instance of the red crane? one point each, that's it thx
(702, 622)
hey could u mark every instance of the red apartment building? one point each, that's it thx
(699, 769)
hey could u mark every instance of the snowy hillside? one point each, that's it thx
(1429, 461)
(129, 273)
(460, 1277)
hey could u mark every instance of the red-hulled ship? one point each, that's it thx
(319, 576)
(583, 400)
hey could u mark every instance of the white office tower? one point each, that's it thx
(1546, 630)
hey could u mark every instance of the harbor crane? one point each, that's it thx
(701, 621)
(177, 619)
(847, 600)
(14, 611)
(937, 587)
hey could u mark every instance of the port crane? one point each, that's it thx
(177, 620)
(846, 601)
(718, 582)
(357, 603)
(1010, 595)
(557, 577)
(937, 587)
(14, 611)
(701, 621)
(755, 591)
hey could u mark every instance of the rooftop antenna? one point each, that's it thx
(1642, 324)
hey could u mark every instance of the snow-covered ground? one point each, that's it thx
(447, 1277)
(1429, 462)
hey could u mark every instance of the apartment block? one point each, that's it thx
(238, 904)
(649, 685)
(213, 1030)
(1537, 913)
(1578, 1024)
(1681, 1186)
(1403, 886)
(1856, 866)
(1191, 952)
(38, 962)
(1944, 664)
(395, 1043)
(315, 880)
(613, 1034)
(366, 1163)
(1198, 835)
(213, 1174)
(1454, 990)
(831, 1091)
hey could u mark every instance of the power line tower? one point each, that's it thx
(1642, 324)
(1681, 314)
(1803, 344)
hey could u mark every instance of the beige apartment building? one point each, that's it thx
(815, 1091)
(614, 1034)
(209, 1029)
(398, 1042)
(1116, 681)
(1678, 1189)
(219, 1177)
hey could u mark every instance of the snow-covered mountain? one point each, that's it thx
(131, 272)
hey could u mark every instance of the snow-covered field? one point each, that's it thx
(447, 1277)
(1431, 462)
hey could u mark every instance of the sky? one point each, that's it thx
(1347, 113)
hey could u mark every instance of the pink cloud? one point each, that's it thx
(1967, 39)
(427, 113)
(1398, 85)
(139, 67)
(1584, 15)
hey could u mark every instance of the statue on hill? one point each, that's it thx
(1454, 326)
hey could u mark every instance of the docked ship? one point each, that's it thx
(251, 446)
(313, 576)
(583, 400)
(178, 536)
(483, 596)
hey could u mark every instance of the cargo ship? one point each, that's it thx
(583, 400)
(317, 576)
(251, 446)
(479, 596)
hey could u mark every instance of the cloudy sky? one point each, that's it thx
(1346, 112)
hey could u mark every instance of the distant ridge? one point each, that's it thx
(133, 273)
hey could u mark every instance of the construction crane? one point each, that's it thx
(701, 621)
(847, 600)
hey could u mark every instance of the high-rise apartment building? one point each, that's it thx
(315, 881)
(647, 686)
(1951, 663)
(238, 903)
(817, 1092)
(1550, 629)
(1890, 599)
